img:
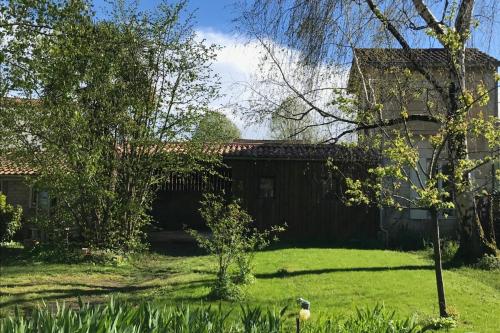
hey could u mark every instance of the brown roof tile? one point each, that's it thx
(289, 150)
(7, 168)
(249, 149)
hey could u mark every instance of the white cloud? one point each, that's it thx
(238, 67)
(236, 63)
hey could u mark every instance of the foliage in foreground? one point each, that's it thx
(10, 219)
(232, 242)
(147, 317)
(111, 92)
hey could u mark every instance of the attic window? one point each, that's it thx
(266, 188)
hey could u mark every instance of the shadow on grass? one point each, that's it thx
(10, 256)
(55, 294)
(285, 274)
(361, 244)
(93, 290)
(177, 249)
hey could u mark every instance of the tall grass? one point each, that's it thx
(115, 317)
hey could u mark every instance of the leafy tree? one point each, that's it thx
(232, 242)
(452, 99)
(103, 98)
(216, 127)
(10, 219)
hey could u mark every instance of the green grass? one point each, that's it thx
(336, 281)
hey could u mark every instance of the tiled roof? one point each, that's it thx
(7, 168)
(286, 150)
(427, 57)
(250, 149)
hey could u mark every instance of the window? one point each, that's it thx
(4, 188)
(266, 188)
(328, 187)
(42, 201)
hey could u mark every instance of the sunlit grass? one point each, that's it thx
(336, 281)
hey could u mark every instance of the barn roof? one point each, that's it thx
(290, 150)
(248, 149)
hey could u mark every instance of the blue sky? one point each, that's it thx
(238, 61)
(210, 14)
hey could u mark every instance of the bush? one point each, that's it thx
(488, 262)
(449, 249)
(114, 317)
(232, 242)
(61, 253)
(439, 323)
(10, 219)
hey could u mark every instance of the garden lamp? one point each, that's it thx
(304, 312)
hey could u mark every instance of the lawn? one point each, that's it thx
(336, 281)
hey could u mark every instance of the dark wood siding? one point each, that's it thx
(305, 197)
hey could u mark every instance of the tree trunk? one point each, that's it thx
(438, 265)
(474, 243)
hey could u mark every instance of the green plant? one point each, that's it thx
(61, 253)
(449, 250)
(10, 219)
(104, 150)
(439, 323)
(258, 320)
(366, 320)
(115, 316)
(232, 241)
(488, 262)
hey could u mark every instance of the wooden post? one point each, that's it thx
(297, 323)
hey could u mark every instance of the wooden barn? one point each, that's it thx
(278, 182)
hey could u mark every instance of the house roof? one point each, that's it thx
(8, 168)
(427, 57)
(397, 57)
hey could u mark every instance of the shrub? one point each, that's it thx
(488, 262)
(61, 253)
(10, 219)
(449, 249)
(232, 241)
(439, 323)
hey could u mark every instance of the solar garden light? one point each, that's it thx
(304, 312)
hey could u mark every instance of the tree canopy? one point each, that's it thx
(216, 127)
(92, 104)
(307, 43)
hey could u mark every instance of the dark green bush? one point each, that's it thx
(449, 249)
(488, 262)
(10, 219)
(62, 253)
